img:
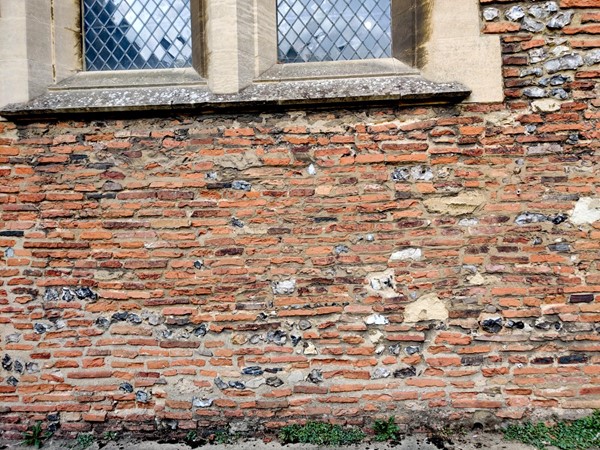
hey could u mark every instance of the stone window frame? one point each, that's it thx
(235, 63)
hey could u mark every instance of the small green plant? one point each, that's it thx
(191, 437)
(84, 440)
(224, 437)
(194, 440)
(320, 433)
(578, 434)
(35, 435)
(110, 436)
(386, 430)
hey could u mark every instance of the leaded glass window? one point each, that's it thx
(333, 30)
(137, 34)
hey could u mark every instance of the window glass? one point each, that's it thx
(333, 30)
(137, 34)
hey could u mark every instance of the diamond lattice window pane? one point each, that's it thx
(333, 30)
(137, 34)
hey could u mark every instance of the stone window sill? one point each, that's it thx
(289, 86)
(383, 67)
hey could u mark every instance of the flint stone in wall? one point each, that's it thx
(490, 14)
(407, 254)
(559, 93)
(380, 372)
(304, 324)
(142, 396)
(527, 218)
(32, 367)
(382, 284)
(241, 185)
(592, 57)
(12, 338)
(377, 319)
(515, 13)
(532, 25)
(67, 295)
(534, 92)
(126, 387)
(285, 287)
(274, 382)
(237, 222)
(567, 62)
(560, 20)
(539, 12)
(492, 325)
(412, 349)
(463, 203)
(471, 222)
(544, 149)
(531, 71)
(7, 363)
(220, 383)
(310, 349)
(51, 295)
(406, 372)
(537, 55)
(41, 328)
(202, 402)
(415, 173)
(315, 376)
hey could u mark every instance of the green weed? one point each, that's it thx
(320, 433)
(224, 437)
(110, 436)
(84, 440)
(578, 434)
(191, 437)
(386, 430)
(35, 435)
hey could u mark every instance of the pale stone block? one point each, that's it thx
(68, 58)
(266, 36)
(12, 9)
(13, 43)
(457, 51)
(428, 307)
(586, 211)
(14, 87)
(463, 203)
(222, 46)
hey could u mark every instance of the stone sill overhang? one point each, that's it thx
(183, 90)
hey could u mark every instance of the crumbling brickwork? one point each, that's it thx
(342, 264)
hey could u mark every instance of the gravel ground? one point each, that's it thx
(482, 441)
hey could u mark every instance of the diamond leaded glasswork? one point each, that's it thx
(137, 34)
(333, 30)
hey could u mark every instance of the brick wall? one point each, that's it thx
(345, 264)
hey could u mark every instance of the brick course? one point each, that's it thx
(147, 262)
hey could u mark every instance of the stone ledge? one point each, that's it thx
(391, 89)
(360, 68)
